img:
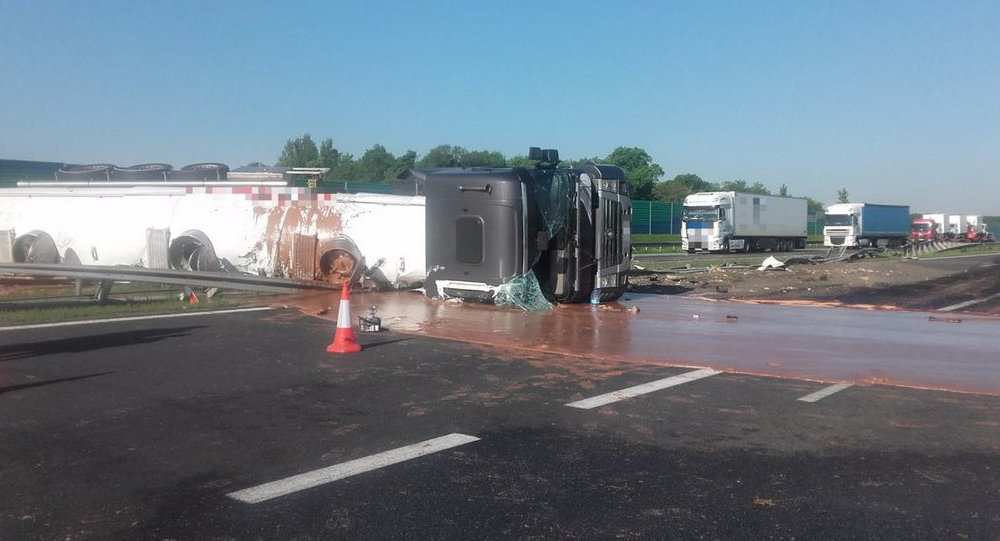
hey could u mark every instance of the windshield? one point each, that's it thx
(550, 189)
(922, 227)
(701, 214)
(838, 219)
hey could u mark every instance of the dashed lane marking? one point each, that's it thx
(296, 483)
(135, 318)
(631, 392)
(825, 392)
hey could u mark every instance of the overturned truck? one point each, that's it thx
(519, 234)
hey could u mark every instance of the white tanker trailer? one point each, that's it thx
(259, 229)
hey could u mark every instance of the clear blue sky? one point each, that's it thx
(899, 102)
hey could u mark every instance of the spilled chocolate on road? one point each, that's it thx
(810, 342)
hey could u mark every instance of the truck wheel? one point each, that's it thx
(35, 247)
(337, 267)
(193, 251)
(340, 262)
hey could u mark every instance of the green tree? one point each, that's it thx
(442, 156)
(813, 206)
(680, 187)
(328, 156)
(783, 190)
(482, 158)
(741, 185)
(520, 161)
(404, 163)
(582, 162)
(299, 152)
(642, 172)
(842, 196)
(377, 164)
(346, 168)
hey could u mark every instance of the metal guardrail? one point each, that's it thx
(677, 244)
(183, 278)
(669, 244)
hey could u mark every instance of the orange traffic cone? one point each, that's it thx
(343, 340)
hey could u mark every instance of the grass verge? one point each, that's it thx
(32, 307)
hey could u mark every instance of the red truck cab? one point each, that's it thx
(923, 230)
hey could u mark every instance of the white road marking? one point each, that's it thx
(823, 393)
(343, 470)
(135, 318)
(590, 403)
(966, 304)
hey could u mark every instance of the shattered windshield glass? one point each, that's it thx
(551, 191)
(523, 292)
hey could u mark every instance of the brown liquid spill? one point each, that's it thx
(283, 223)
(866, 347)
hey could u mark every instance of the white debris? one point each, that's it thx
(771, 263)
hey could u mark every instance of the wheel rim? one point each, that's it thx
(338, 267)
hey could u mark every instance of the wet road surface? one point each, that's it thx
(916, 349)
(145, 429)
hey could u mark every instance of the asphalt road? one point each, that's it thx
(152, 429)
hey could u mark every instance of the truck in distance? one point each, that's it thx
(860, 225)
(732, 221)
(925, 229)
(950, 227)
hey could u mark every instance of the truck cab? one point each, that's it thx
(858, 225)
(924, 230)
(841, 225)
(706, 223)
(562, 233)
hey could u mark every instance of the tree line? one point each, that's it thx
(378, 164)
(681, 186)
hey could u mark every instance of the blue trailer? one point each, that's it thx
(859, 225)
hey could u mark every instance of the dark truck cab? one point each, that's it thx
(491, 230)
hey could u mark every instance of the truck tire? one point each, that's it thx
(36, 247)
(143, 172)
(339, 262)
(86, 173)
(193, 251)
(200, 172)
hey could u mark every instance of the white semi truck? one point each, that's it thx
(859, 225)
(734, 221)
(466, 232)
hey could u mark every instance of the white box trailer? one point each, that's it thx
(725, 221)
(955, 224)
